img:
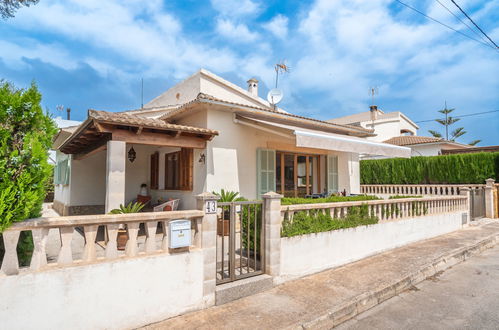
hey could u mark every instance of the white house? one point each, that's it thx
(61, 123)
(206, 134)
(397, 129)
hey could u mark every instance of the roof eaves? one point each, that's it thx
(203, 98)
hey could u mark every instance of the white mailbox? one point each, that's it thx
(180, 233)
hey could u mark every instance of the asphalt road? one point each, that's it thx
(463, 297)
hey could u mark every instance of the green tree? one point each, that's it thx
(448, 121)
(26, 133)
(9, 7)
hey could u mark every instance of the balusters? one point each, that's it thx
(39, 258)
(150, 245)
(10, 264)
(112, 243)
(65, 254)
(131, 248)
(89, 253)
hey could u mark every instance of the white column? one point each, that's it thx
(272, 219)
(489, 198)
(115, 174)
(209, 246)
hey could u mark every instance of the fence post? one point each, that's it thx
(465, 191)
(489, 198)
(272, 218)
(209, 246)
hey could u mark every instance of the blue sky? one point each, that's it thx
(93, 54)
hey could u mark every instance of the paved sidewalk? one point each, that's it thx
(331, 297)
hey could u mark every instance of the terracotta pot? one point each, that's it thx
(122, 239)
(223, 225)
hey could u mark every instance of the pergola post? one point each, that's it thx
(115, 174)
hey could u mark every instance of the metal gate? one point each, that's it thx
(240, 250)
(477, 202)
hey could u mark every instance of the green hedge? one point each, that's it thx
(330, 199)
(316, 221)
(448, 169)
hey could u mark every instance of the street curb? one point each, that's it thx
(349, 309)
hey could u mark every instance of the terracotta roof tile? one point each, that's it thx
(322, 123)
(412, 139)
(129, 119)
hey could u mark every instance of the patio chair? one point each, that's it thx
(167, 206)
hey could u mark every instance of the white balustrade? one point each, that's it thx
(92, 251)
(385, 210)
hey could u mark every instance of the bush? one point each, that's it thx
(318, 221)
(331, 199)
(25, 137)
(448, 169)
(403, 196)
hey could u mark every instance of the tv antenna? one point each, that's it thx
(280, 68)
(373, 91)
(275, 95)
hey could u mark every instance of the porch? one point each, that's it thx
(113, 154)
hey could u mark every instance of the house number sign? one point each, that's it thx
(211, 207)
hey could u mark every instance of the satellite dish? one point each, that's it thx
(274, 96)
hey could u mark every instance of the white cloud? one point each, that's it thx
(236, 32)
(278, 26)
(157, 45)
(236, 7)
(13, 54)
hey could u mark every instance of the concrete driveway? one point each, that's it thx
(463, 297)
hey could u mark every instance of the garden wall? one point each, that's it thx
(113, 295)
(311, 253)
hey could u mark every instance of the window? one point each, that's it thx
(265, 171)
(179, 170)
(155, 170)
(62, 172)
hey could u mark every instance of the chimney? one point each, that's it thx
(253, 86)
(68, 110)
(374, 112)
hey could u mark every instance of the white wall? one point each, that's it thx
(123, 294)
(231, 157)
(307, 254)
(88, 180)
(426, 150)
(138, 172)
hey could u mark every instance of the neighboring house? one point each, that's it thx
(397, 129)
(207, 134)
(61, 123)
(469, 150)
(425, 145)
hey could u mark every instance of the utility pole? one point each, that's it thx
(142, 94)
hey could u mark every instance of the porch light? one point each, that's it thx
(132, 155)
(202, 159)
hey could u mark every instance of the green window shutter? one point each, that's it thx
(56, 173)
(332, 174)
(265, 175)
(68, 171)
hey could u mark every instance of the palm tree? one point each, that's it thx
(447, 121)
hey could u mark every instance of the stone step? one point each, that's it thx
(242, 288)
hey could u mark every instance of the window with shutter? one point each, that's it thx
(179, 170)
(332, 174)
(155, 170)
(265, 171)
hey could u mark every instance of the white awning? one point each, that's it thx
(329, 141)
(339, 142)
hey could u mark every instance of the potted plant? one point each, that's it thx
(122, 231)
(223, 222)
